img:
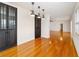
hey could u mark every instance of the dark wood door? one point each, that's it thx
(61, 29)
(37, 27)
(8, 26)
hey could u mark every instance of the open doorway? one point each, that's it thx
(61, 27)
(37, 27)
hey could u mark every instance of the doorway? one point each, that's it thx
(61, 27)
(37, 27)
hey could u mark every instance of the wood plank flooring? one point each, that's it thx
(59, 44)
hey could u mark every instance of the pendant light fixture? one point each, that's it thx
(38, 12)
(32, 11)
(38, 16)
(43, 16)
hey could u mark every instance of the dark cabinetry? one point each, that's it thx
(8, 26)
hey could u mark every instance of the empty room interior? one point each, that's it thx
(39, 29)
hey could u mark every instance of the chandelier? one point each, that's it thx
(32, 11)
(39, 15)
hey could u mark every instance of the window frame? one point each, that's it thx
(77, 22)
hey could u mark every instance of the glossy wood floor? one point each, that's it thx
(59, 44)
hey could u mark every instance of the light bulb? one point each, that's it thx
(38, 15)
(32, 13)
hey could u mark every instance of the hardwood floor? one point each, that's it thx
(59, 44)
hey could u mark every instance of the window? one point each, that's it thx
(77, 22)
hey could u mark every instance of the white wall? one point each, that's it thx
(55, 26)
(25, 24)
(74, 35)
(45, 27)
(25, 31)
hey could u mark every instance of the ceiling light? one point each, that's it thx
(39, 12)
(43, 14)
(32, 11)
(38, 15)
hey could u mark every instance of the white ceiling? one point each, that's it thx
(59, 10)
